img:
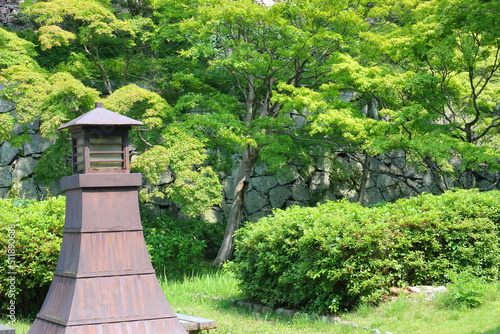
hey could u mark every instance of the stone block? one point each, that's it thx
(255, 202)
(213, 216)
(300, 191)
(5, 106)
(7, 153)
(288, 176)
(325, 163)
(24, 167)
(52, 189)
(27, 189)
(373, 196)
(384, 181)
(299, 120)
(259, 169)
(6, 330)
(37, 145)
(263, 183)
(5, 176)
(166, 178)
(228, 187)
(320, 181)
(279, 196)
(391, 193)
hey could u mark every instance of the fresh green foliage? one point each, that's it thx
(55, 155)
(434, 85)
(206, 294)
(464, 290)
(34, 230)
(264, 83)
(60, 96)
(417, 314)
(15, 50)
(32, 233)
(196, 189)
(178, 247)
(90, 27)
(339, 254)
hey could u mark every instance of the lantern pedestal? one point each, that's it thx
(104, 282)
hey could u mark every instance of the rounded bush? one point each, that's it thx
(178, 246)
(331, 257)
(30, 240)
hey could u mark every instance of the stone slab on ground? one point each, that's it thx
(6, 330)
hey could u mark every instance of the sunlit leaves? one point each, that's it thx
(7, 122)
(64, 20)
(15, 50)
(142, 104)
(196, 187)
(52, 35)
(59, 96)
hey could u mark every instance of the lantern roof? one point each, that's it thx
(101, 116)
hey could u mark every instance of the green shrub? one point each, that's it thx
(464, 290)
(177, 246)
(33, 230)
(339, 254)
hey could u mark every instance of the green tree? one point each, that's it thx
(13, 51)
(431, 81)
(264, 50)
(94, 31)
(195, 187)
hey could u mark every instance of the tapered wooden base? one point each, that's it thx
(140, 327)
(104, 282)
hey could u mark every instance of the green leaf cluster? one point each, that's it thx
(34, 229)
(196, 188)
(464, 290)
(177, 247)
(60, 96)
(15, 50)
(336, 255)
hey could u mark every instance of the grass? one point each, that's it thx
(205, 295)
(404, 315)
(408, 315)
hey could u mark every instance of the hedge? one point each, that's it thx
(32, 232)
(332, 257)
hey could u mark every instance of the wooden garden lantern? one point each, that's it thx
(104, 282)
(100, 141)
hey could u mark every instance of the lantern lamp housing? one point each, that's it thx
(100, 141)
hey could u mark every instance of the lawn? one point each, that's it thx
(405, 315)
(209, 295)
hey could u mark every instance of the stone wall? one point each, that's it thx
(307, 186)
(8, 11)
(17, 164)
(332, 178)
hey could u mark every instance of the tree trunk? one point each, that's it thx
(364, 180)
(242, 181)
